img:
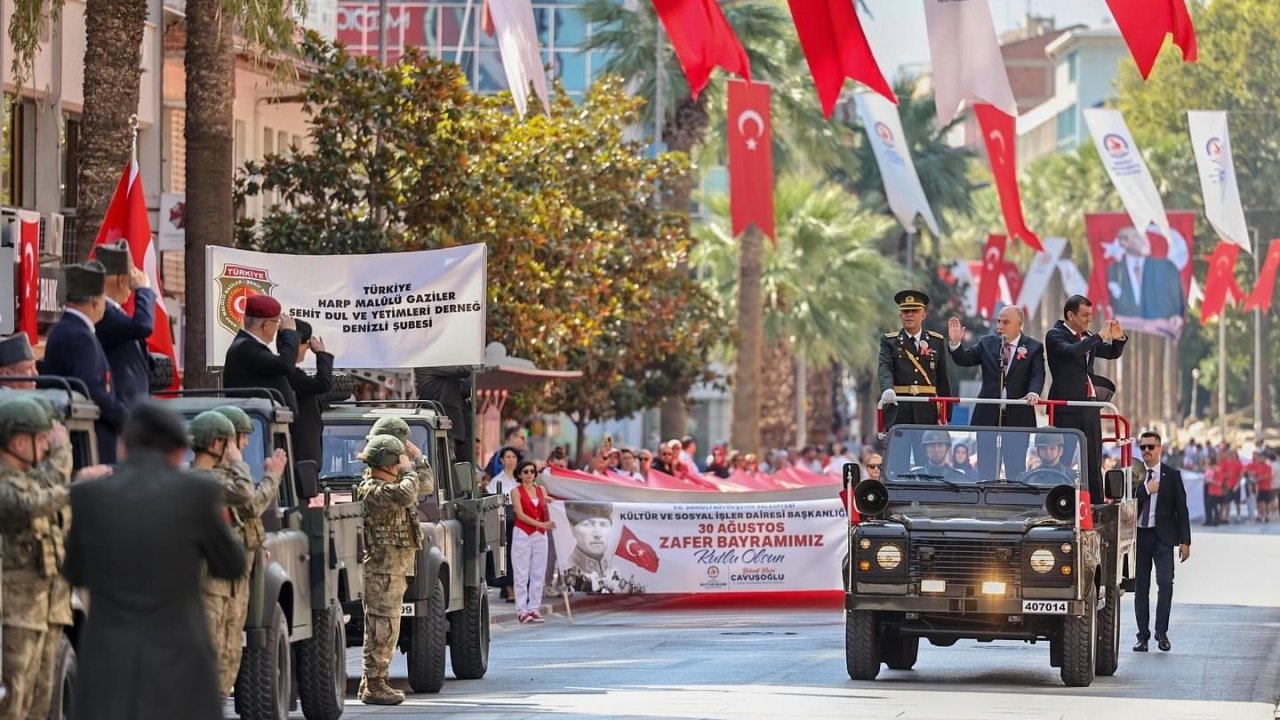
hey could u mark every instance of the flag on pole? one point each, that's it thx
(703, 40)
(1000, 134)
(28, 274)
(126, 219)
(1144, 25)
(751, 158)
(992, 272)
(1220, 281)
(836, 48)
(889, 143)
(967, 63)
(1211, 144)
(517, 35)
(1265, 287)
(1126, 168)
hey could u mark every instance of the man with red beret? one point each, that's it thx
(251, 363)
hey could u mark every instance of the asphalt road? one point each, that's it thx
(631, 660)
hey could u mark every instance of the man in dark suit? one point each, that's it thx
(1070, 350)
(142, 538)
(1012, 369)
(250, 361)
(913, 361)
(124, 337)
(308, 426)
(450, 385)
(73, 350)
(1145, 288)
(1163, 523)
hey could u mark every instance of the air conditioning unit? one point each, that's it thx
(53, 235)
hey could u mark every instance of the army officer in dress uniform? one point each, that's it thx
(913, 362)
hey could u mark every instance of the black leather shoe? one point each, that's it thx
(1141, 646)
(1163, 643)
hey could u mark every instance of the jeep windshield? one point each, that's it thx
(343, 441)
(1031, 460)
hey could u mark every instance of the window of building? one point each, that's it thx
(1073, 65)
(1067, 128)
(70, 147)
(17, 166)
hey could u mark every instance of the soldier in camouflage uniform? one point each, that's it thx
(29, 506)
(390, 492)
(399, 429)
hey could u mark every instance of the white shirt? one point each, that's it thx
(1147, 477)
(1136, 266)
(83, 318)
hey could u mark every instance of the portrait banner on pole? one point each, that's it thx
(389, 310)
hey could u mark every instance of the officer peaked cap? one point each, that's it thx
(911, 300)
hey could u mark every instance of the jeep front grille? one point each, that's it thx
(962, 561)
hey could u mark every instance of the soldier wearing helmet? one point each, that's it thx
(397, 428)
(1049, 449)
(31, 509)
(390, 492)
(937, 448)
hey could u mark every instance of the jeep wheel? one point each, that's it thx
(900, 653)
(64, 678)
(1109, 633)
(322, 667)
(861, 644)
(1079, 644)
(426, 644)
(469, 634)
(263, 687)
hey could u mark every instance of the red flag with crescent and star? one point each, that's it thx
(1144, 25)
(702, 39)
(636, 551)
(750, 158)
(836, 48)
(1000, 134)
(1220, 281)
(126, 219)
(992, 271)
(29, 274)
(1265, 286)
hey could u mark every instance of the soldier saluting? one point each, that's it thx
(913, 361)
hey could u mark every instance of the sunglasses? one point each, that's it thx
(1148, 447)
(874, 467)
(528, 471)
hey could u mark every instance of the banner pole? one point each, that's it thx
(1222, 374)
(1257, 354)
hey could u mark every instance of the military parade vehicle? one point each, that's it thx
(945, 555)
(447, 602)
(308, 569)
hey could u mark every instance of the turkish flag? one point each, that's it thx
(1265, 286)
(636, 551)
(702, 40)
(126, 219)
(1000, 134)
(1086, 510)
(850, 507)
(1013, 281)
(486, 19)
(836, 48)
(992, 271)
(1144, 25)
(1220, 281)
(29, 274)
(751, 158)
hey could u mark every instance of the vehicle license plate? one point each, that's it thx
(406, 609)
(1044, 607)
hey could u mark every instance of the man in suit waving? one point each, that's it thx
(124, 336)
(251, 362)
(1163, 523)
(1012, 369)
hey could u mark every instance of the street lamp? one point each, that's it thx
(1195, 392)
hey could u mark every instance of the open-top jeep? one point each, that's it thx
(447, 602)
(945, 555)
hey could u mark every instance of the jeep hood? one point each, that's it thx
(983, 518)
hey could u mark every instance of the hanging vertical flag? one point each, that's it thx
(992, 272)
(1220, 281)
(517, 35)
(1126, 168)
(1212, 146)
(28, 227)
(751, 158)
(888, 142)
(1264, 287)
(1144, 25)
(836, 48)
(1000, 134)
(126, 219)
(1036, 281)
(967, 64)
(1010, 283)
(1073, 282)
(703, 40)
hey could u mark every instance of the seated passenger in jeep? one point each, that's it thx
(937, 449)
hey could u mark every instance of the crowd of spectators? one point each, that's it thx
(1233, 481)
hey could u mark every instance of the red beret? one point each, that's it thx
(262, 306)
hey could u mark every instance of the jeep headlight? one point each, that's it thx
(1042, 560)
(888, 557)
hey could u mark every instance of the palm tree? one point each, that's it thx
(822, 281)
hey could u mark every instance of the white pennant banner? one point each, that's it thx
(1073, 282)
(517, 37)
(967, 64)
(1043, 266)
(1127, 169)
(1212, 146)
(901, 183)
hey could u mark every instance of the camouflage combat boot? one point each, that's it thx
(376, 691)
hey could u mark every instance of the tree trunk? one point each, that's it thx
(210, 67)
(112, 78)
(802, 399)
(580, 426)
(866, 412)
(746, 388)
(673, 422)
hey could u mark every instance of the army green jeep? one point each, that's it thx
(447, 601)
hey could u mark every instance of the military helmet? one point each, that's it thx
(22, 414)
(209, 426)
(382, 451)
(239, 418)
(52, 410)
(1044, 439)
(936, 436)
(391, 425)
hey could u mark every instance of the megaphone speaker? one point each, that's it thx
(871, 497)
(1061, 502)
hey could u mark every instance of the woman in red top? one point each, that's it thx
(529, 541)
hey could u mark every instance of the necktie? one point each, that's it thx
(1006, 358)
(1146, 509)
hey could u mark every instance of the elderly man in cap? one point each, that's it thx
(73, 350)
(17, 360)
(124, 337)
(913, 362)
(251, 363)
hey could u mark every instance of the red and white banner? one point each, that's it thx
(836, 48)
(703, 40)
(751, 158)
(1144, 25)
(1264, 287)
(1000, 135)
(1141, 277)
(28, 274)
(1211, 143)
(628, 548)
(967, 63)
(902, 186)
(1126, 168)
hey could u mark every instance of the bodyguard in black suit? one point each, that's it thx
(73, 350)
(1012, 368)
(141, 540)
(250, 361)
(308, 426)
(1070, 350)
(1163, 523)
(124, 337)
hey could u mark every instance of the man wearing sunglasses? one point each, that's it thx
(1163, 523)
